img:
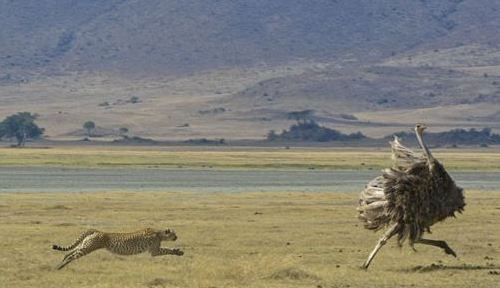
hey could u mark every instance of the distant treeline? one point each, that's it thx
(454, 137)
(311, 131)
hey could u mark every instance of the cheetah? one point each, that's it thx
(119, 243)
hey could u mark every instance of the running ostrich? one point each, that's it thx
(410, 197)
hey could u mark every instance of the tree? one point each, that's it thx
(22, 126)
(271, 135)
(3, 131)
(134, 99)
(123, 131)
(301, 116)
(89, 126)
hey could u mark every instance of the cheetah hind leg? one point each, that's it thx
(76, 243)
(73, 255)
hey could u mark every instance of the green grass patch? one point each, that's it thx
(319, 158)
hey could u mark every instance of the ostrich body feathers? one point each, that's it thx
(414, 193)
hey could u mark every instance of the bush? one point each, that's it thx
(312, 131)
(205, 141)
(134, 100)
(348, 117)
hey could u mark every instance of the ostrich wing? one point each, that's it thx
(403, 157)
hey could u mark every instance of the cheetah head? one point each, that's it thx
(168, 235)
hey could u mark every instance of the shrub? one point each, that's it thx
(312, 131)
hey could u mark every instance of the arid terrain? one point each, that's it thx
(236, 123)
(235, 69)
(239, 240)
(247, 103)
(275, 238)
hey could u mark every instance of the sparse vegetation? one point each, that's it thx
(216, 110)
(348, 117)
(331, 158)
(272, 136)
(382, 101)
(89, 126)
(123, 131)
(298, 240)
(21, 126)
(134, 100)
(302, 116)
(205, 141)
(135, 140)
(103, 104)
(483, 137)
(309, 130)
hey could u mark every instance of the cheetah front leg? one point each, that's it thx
(158, 251)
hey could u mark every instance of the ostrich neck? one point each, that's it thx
(427, 152)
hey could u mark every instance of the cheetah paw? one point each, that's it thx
(177, 252)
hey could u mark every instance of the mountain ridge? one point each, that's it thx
(253, 62)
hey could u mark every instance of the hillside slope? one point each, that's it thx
(137, 37)
(235, 68)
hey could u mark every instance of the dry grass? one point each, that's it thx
(321, 158)
(64, 103)
(239, 240)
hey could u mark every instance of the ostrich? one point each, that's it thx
(410, 197)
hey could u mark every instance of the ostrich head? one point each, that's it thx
(419, 129)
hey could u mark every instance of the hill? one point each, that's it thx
(133, 37)
(235, 68)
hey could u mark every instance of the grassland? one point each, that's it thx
(275, 158)
(239, 240)
(250, 239)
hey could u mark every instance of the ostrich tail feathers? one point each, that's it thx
(372, 205)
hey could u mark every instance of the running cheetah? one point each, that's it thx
(119, 243)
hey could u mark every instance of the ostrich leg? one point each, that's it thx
(387, 235)
(438, 243)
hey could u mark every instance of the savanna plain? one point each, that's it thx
(248, 239)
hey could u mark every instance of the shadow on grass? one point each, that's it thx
(58, 207)
(159, 282)
(439, 267)
(293, 274)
